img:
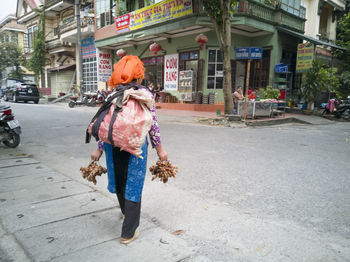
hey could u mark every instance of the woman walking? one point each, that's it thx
(126, 172)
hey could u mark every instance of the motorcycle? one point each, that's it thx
(89, 99)
(340, 109)
(10, 128)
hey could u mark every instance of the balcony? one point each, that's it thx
(273, 15)
(71, 24)
(57, 46)
(68, 29)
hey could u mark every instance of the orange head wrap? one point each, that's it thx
(126, 70)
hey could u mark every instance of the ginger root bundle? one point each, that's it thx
(163, 170)
(91, 171)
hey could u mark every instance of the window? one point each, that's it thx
(215, 69)
(31, 34)
(90, 74)
(291, 6)
(104, 13)
(185, 57)
(141, 4)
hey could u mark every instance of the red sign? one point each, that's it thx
(122, 23)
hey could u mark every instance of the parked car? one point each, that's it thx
(22, 92)
(6, 83)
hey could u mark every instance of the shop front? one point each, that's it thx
(197, 75)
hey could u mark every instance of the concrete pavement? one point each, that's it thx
(47, 216)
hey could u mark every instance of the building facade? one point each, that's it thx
(13, 32)
(175, 24)
(61, 42)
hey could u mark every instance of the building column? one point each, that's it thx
(77, 68)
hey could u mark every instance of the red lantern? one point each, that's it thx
(202, 40)
(155, 48)
(121, 53)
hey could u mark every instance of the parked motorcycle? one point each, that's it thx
(89, 99)
(10, 128)
(340, 109)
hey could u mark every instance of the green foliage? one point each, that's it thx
(271, 93)
(121, 11)
(11, 55)
(37, 62)
(343, 89)
(316, 81)
(343, 39)
(213, 8)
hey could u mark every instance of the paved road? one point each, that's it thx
(242, 194)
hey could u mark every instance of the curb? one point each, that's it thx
(277, 122)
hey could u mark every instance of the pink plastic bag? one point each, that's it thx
(130, 127)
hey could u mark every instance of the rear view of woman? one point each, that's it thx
(126, 172)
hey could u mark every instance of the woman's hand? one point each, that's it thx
(162, 154)
(96, 154)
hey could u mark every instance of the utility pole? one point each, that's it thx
(80, 60)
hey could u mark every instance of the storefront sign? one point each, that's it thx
(88, 48)
(153, 14)
(249, 53)
(104, 65)
(171, 67)
(305, 57)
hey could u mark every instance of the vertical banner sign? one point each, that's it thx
(104, 65)
(88, 48)
(171, 69)
(305, 57)
(153, 14)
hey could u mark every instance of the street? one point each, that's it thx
(279, 193)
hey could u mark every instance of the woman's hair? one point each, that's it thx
(127, 69)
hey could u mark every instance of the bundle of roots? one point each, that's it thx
(163, 170)
(92, 170)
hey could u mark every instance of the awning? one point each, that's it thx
(308, 38)
(61, 68)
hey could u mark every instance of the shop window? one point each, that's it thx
(154, 71)
(188, 60)
(215, 69)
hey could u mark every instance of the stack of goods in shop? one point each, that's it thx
(199, 98)
(163, 170)
(205, 99)
(211, 98)
(92, 170)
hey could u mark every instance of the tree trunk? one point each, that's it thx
(222, 28)
(226, 52)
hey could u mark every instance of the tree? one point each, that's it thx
(38, 60)
(316, 81)
(219, 12)
(11, 55)
(343, 39)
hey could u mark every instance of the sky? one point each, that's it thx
(7, 7)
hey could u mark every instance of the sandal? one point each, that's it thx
(128, 240)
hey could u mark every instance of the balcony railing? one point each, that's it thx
(270, 14)
(71, 23)
(51, 44)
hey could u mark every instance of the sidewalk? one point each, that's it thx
(47, 216)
